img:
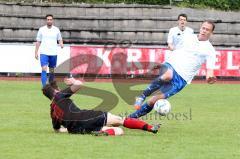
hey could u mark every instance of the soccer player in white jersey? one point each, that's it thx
(48, 37)
(176, 34)
(180, 68)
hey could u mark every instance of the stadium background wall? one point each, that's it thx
(112, 24)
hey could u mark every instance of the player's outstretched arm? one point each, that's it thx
(36, 49)
(211, 79)
(74, 84)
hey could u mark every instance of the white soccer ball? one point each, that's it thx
(162, 107)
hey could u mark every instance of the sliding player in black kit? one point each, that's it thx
(67, 117)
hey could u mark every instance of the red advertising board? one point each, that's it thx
(107, 60)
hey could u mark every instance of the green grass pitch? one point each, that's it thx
(204, 124)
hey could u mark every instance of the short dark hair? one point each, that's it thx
(210, 22)
(49, 15)
(49, 90)
(182, 15)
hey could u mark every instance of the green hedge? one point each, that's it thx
(217, 4)
(149, 2)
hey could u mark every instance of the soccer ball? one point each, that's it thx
(162, 107)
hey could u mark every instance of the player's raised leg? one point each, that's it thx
(154, 86)
(174, 84)
(165, 74)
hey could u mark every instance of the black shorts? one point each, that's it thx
(86, 121)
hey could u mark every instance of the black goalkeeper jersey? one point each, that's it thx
(64, 112)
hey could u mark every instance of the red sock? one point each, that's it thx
(133, 123)
(110, 131)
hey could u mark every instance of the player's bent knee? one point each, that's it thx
(167, 76)
(114, 120)
(44, 68)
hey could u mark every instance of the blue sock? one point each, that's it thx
(51, 77)
(145, 108)
(44, 78)
(155, 85)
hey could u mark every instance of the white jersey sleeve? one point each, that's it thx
(39, 35)
(59, 36)
(170, 36)
(211, 59)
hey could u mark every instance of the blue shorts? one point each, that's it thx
(50, 61)
(176, 84)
